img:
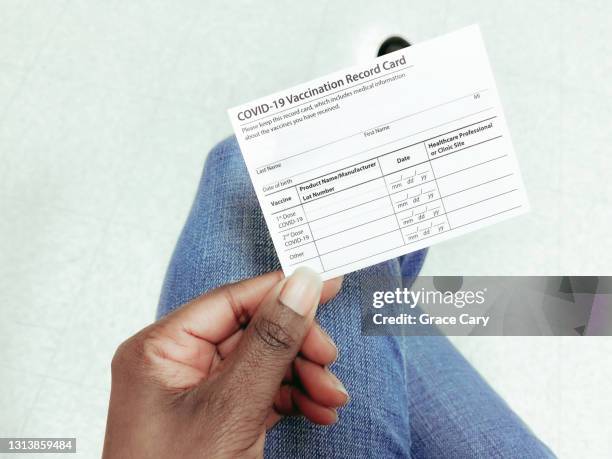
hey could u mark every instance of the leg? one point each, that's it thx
(225, 239)
(455, 413)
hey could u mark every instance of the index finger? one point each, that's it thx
(217, 314)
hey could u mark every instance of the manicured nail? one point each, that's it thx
(338, 384)
(302, 291)
(340, 387)
(330, 341)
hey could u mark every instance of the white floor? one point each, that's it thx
(108, 109)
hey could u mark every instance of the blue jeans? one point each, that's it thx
(410, 396)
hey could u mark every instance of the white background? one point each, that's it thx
(108, 109)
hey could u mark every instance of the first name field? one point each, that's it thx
(382, 159)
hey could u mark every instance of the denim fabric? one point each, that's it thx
(410, 397)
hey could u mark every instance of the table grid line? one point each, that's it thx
(385, 154)
(437, 186)
(390, 200)
(376, 178)
(443, 216)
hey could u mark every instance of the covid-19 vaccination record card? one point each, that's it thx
(384, 158)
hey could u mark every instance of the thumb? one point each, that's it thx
(272, 341)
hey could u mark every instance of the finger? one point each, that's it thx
(272, 419)
(321, 385)
(288, 376)
(284, 405)
(283, 401)
(226, 347)
(319, 347)
(271, 342)
(331, 288)
(217, 314)
(316, 413)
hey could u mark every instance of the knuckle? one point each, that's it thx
(136, 354)
(273, 334)
(122, 365)
(240, 314)
(118, 362)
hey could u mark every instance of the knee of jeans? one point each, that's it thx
(225, 181)
(411, 265)
(226, 156)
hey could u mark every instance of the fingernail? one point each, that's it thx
(340, 387)
(302, 291)
(330, 341)
(338, 384)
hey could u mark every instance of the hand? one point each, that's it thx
(210, 378)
